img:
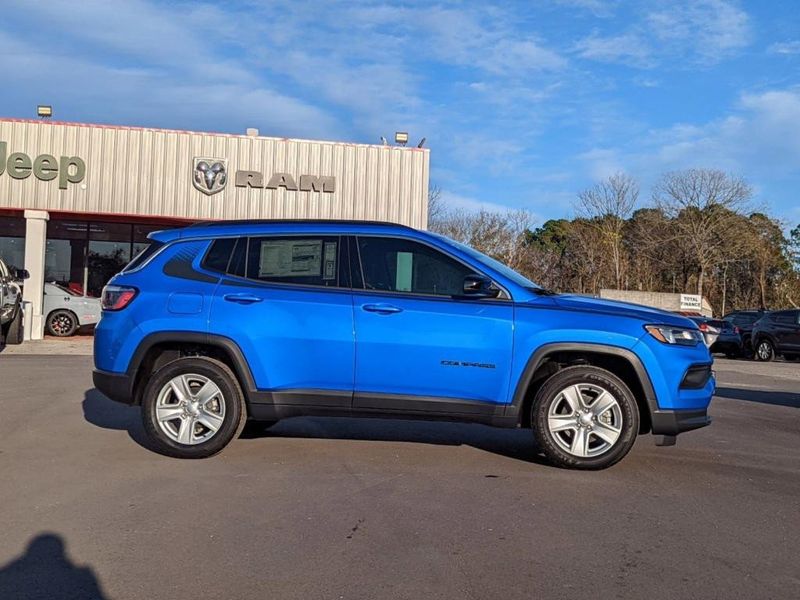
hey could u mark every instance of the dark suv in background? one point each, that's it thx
(745, 320)
(777, 334)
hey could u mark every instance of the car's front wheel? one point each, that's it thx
(193, 407)
(764, 351)
(585, 417)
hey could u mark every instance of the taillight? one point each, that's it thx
(117, 297)
(736, 329)
(702, 327)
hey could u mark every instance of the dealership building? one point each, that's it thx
(77, 201)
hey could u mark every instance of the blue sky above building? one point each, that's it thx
(522, 104)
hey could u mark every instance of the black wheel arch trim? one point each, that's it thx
(240, 365)
(541, 353)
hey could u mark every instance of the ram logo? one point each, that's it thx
(209, 175)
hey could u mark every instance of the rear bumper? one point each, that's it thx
(673, 422)
(117, 386)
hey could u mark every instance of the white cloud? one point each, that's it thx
(599, 8)
(628, 48)
(474, 205)
(708, 29)
(759, 138)
(698, 31)
(791, 47)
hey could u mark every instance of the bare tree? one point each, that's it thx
(436, 205)
(607, 206)
(705, 205)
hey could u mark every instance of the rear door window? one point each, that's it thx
(296, 260)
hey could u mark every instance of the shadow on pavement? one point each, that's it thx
(44, 572)
(763, 397)
(107, 414)
(512, 443)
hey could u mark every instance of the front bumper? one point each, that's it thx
(117, 386)
(673, 422)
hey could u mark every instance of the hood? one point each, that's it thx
(646, 314)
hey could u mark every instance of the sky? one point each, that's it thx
(523, 104)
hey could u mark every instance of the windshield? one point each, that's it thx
(505, 271)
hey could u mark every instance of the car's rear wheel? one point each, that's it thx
(62, 323)
(765, 351)
(585, 417)
(193, 407)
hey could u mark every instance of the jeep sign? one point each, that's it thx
(45, 167)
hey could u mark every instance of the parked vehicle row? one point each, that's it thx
(764, 335)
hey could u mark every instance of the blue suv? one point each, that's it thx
(217, 324)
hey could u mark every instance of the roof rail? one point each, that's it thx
(283, 221)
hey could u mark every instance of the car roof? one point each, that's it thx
(263, 226)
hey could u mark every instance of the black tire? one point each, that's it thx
(235, 411)
(14, 332)
(62, 323)
(765, 351)
(550, 393)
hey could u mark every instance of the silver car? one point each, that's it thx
(65, 311)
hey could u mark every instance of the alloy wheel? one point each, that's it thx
(585, 420)
(61, 324)
(190, 409)
(764, 350)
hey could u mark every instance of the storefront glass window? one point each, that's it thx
(12, 241)
(65, 254)
(82, 256)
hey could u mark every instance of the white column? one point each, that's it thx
(33, 295)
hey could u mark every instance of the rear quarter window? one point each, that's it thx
(143, 256)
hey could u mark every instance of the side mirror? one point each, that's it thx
(478, 286)
(21, 275)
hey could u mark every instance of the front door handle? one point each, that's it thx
(242, 298)
(382, 309)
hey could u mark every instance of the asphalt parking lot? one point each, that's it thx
(332, 508)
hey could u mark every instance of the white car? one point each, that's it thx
(65, 311)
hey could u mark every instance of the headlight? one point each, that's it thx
(675, 335)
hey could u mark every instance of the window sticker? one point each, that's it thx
(330, 261)
(405, 262)
(290, 258)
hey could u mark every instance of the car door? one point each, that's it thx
(784, 329)
(793, 332)
(419, 346)
(285, 300)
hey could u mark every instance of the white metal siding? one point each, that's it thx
(148, 172)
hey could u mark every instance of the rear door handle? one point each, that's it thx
(383, 309)
(242, 298)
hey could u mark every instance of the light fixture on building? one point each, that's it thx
(44, 111)
(421, 143)
(384, 141)
(401, 137)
